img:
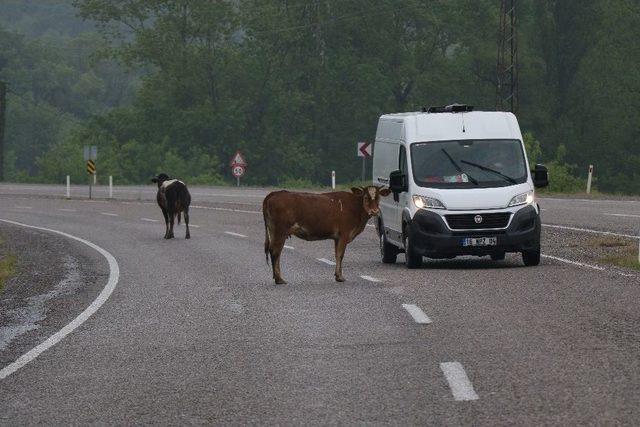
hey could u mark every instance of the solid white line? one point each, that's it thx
(371, 279)
(623, 215)
(67, 210)
(326, 261)
(225, 209)
(149, 220)
(586, 230)
(24, 207)
(417, 314)
(461, 387)
(109, 214)
(114, 274)
(231, 233)
(568, 261)
(289, 247)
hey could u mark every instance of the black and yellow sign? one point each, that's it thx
(91, 167)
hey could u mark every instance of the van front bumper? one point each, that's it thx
(431, 237)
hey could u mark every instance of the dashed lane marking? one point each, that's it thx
(461, 387)
(67, 210)
(149, 220)
(231, 233)
(371, 279)
(289, 247)
(114, 274)
(418, 315)
(109, 214)
(326, 261)
(587, 230)
(197, 226)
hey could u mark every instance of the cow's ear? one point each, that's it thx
(357, 190)
(384, 192)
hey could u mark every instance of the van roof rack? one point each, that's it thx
(453, 108)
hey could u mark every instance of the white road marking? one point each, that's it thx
(289, 247)
(417, 314)
(461, 387)
(67, 210)
(24, 207)
(586, 230)
(197, 226)
(623, 215)
(149, 220)
(371, 279)
(326, 261)
(109, 214)
(114, 274)
(225, 209)
(371, 225)
(231, 233)
(568, 261)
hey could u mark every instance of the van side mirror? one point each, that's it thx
(397, 183)
(540, 176)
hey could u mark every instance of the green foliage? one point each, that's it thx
(295, 85)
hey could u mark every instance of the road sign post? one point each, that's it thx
(238, 166)
(364, 151)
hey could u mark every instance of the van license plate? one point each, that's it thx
(480, 241)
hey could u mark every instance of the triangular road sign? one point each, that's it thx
(238, 159)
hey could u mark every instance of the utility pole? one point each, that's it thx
(507, 88)
(3, 111)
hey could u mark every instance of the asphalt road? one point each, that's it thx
(196, 332)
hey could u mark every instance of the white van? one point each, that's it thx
(461, 186)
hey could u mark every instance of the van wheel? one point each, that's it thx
(388, 252)
(411, 258)
(531, 258)
(498, 256)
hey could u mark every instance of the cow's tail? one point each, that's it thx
(267, 241)
(179, 217)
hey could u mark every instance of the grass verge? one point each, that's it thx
(7, 269)
(622, 252)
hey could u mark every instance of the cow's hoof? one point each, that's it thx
(339, 279)
(280, 282)
(187, 236)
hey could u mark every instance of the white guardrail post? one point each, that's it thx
(589, 179)
(68, 187)
(333, 180)
(111, 186)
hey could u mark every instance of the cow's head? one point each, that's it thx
(162, 177)
(370, 197)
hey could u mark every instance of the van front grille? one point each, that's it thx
(478, 221)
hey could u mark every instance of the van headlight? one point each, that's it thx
(522, 199)
(422, 202)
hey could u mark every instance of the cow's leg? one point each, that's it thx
(172, 218)
(166, 223)
(276, 244)
(186, 223)
(340, 246)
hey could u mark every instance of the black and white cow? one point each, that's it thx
(173, 198)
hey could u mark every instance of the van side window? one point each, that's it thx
(402, 161)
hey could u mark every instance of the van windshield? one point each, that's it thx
(468, 163)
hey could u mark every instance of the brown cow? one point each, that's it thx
(340, 216)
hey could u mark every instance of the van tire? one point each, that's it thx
(411, 258)
(531, 258)
(388, 251)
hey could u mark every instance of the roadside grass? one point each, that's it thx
(7, 269)
(625, 251)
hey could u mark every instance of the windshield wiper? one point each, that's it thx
(458, 168)
(485, 168)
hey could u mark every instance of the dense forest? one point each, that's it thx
(179, 86)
